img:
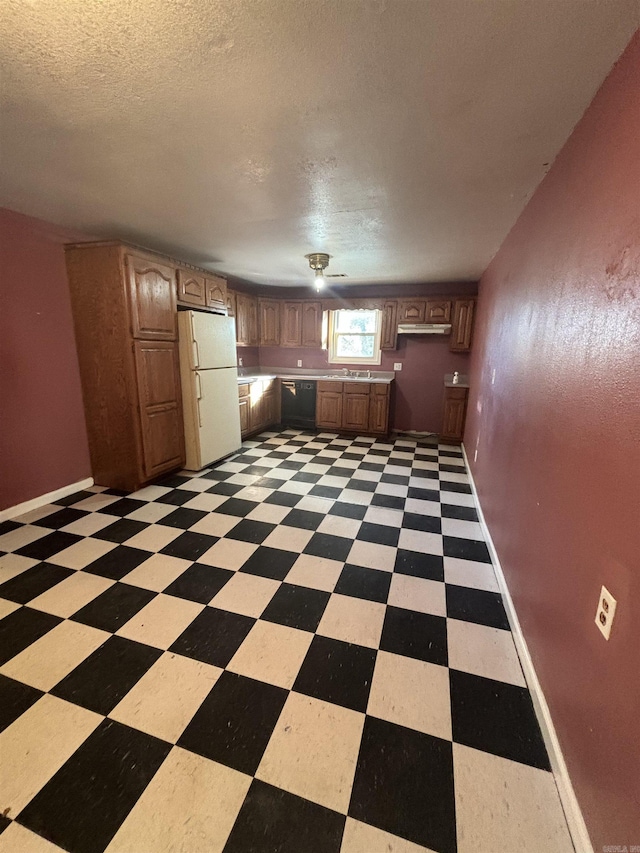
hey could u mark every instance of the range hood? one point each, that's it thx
(424, 329)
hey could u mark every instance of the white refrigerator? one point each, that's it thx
(209, 386)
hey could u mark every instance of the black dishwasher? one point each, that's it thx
(298, 403)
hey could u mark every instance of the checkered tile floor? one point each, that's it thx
(301, 649)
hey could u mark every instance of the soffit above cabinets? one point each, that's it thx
(403, 138)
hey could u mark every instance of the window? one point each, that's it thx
(354, 337)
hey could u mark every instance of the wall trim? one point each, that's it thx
(568, 799)
(49, 497)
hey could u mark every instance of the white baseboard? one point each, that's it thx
(570, 805)
(50, 497)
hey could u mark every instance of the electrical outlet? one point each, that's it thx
(299, 362)
(397, 365)
(239, 362)
(493, 376)
(605, 612)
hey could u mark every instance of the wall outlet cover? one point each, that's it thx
(397, 365)
(605, 612)
(239, 362)
(299, 362)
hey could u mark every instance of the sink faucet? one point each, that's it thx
(345, 370)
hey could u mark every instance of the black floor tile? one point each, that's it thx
(177, 497)
(28, 584)
(21, 628)
(476, 605)
(465, 549)
(49, 545)
(258, 470)
(249, 530)
(229, 489)
(274, 821)
(429, 477)
(75, 498)
(339, 471)
(270, 563)
(61, 518)
(461, 488)
(395, 479)
(296, 607)
(404, 785)
(466, 513)
(199, 583)
(107, 675)
(214, 636)
(424, 494)
(388, 501)
(283, 498)
(120, 530)
(328, 492)
(15, 699)
(380, 534)
(4, 822)
(172, 481)
(428, 566)
(305, 476)
(234, 723)
(8, 526)
(86, 801)
(123, 507)
(360, 485)
(415, 635)
(452, 469)
(426, 523)
(331, 547)
(337, 672)
(117, 563)
(346, 510)
(369, 584)
(189, 545)
(303, 518)
(183, 517)
(114, 607)
(371, 466)
(237, 506)
(496, 717)
(215, 474)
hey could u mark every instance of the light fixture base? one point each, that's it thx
(318, 260)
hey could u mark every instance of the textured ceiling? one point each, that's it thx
(401, 136)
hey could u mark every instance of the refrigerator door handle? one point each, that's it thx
(194, 344)
(199, 397)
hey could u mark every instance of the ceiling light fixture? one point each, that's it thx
(318, 261)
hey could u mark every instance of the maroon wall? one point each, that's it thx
(418, 388)
(43, 442)
(558, 442)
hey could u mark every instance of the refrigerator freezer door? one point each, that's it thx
(216, 430)
(211, 337)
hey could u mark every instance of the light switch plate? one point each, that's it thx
(397, 365)
(239, 362)
(299, 362)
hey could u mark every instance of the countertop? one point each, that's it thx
(463, 381)
(377, 377)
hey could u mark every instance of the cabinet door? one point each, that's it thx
(252, 310)
(269, 321)
(355, 411)
(329, 409)
(411, 311)
(216, 292)
(291, 332)
(455, 404)
(231, 303)
(312, 324)
(437, 311)
(269, 407)
(245, 320)
(388, 339)
(379, 409)
(462, 327)
(152, 299)
(160, 406)
(244, 415)
(256, 405)
(191, 287)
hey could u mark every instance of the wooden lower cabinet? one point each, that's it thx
(354, 406)
(455, 410)
(259, 405)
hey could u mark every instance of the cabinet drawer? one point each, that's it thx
(380, 390)
(456, 393)
(243, 390)
(330, 386)
(356, 387)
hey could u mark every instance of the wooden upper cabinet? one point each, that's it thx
(231, 303)
(152, 298)
(389, 335)
(411, 311)
(291, 328)
(462, 327)
(246, 320)
(437, 311)
(312, 324)
(269, 322)
(191, 287)
(216, 292)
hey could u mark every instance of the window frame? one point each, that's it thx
(333, 335)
